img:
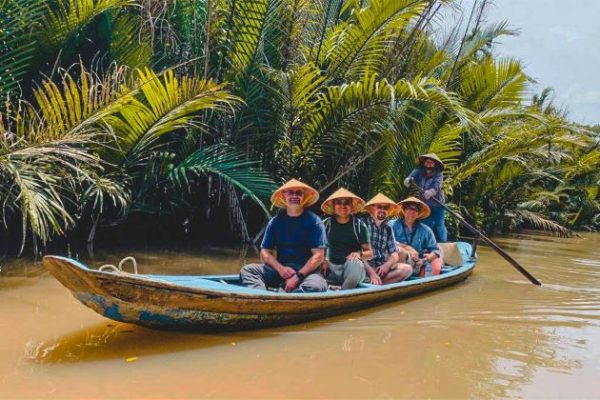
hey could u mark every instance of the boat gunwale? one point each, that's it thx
(154, 283)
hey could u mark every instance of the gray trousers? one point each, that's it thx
(261, 276)
(348, 275)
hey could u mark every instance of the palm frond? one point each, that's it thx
(164, 104)
(35, 176)
(113, 188)
(129, 45)
(229, 164)
(538, 221)
(246, 22)
(68, 16)
(490, 84)
(19, 20)
(360, 46)
(77, 104)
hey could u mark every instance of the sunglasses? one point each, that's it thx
(343, 202)
(382, 207)
(298, 193)
(414, 208)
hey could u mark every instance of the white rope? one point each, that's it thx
(119, 269)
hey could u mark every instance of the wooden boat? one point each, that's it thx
(218, 302)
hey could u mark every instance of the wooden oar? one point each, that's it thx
(487, 240)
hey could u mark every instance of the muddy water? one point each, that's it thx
(493, 336)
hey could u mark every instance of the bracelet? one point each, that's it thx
(300, 275)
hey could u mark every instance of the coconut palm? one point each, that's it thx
(251, 92)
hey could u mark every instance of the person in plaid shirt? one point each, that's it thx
(385, 258)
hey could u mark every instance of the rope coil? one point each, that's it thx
(119, 269)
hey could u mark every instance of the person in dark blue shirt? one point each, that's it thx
(299, 240)
(428, 176)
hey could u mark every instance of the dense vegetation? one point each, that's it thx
(194, 110)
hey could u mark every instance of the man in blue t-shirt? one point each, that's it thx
(298, 238)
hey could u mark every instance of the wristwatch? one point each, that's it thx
(300, 275)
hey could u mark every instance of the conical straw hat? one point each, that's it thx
(432, 156)
(310, 197)
(424, 210)
(341, 193)
(381, 198)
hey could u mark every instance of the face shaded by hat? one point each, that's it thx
(424, 210)
(356, 203)
(380, 201)
(430, 156)
(309, 196)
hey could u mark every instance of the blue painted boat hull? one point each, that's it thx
(217, 303)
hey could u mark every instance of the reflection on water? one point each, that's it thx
(116, 341)
(493, 336)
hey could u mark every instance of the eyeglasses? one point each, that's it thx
(342, 202)
(414, 208)
(298, 193)
(382, 207)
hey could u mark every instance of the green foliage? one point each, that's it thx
(164, 104)
(229, 164)
(128, 45)
(19, 20)
(66, 17)
(252, 92)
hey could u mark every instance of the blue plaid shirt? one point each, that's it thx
(420, 238)
(383, 242)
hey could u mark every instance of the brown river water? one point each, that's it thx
(492, 336)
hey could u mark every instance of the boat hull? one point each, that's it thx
(211, 305)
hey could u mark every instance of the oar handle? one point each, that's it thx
(487, 240)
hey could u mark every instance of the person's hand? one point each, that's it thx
(420, 262)
(324, 268)
(353, 256)
(287, 272)
(291, 283)
(413, 254)
(382, 271)
(428, 194)
(408, 181)
(375, 279)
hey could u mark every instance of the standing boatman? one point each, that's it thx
(428, 176)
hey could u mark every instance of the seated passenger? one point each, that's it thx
(347, 241)
(298, 236)
(416, 238)
(385, 258)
